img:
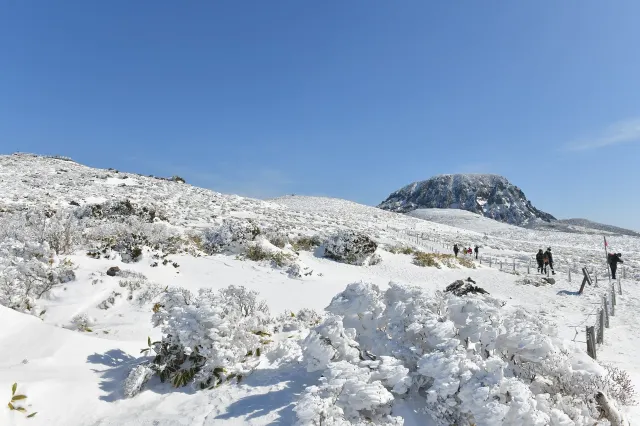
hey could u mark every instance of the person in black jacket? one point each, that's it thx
(550, 257)
(540, 260)
(614, 259)
(476, 249)
(455, 249)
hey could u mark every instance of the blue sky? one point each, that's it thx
(351, 99)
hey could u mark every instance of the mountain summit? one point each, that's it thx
(492, 196)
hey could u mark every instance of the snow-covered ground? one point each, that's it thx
(74, 375)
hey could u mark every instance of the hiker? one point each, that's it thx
(455, 249)
(476, 249)
(540, 260)
(550, 257)
(614, 259)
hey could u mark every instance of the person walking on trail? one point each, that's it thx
(455, 249)
(550, 258)
(614, 259)
(540, 260)
(476, 249)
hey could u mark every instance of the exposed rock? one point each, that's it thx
(536, 281)
(492, 196)
(113, 271)
(351, 247)
(461, 288)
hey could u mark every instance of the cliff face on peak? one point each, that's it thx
(492, 196)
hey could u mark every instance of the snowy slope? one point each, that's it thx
(74, 377)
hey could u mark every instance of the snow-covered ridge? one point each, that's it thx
(490, 195)
(392, 346)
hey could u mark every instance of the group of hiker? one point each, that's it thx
(466, 251)
(545, 259)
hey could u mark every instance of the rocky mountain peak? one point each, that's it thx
(490, 195)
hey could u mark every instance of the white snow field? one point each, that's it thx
(386, 344)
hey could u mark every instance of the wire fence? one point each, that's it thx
(505, 263)
(596, 332)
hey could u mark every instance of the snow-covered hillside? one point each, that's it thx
(492, 196)
(111, 282)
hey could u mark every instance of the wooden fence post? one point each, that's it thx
(601, 327)
(591, 347)
(613, 294)
(489, 261)
(514, 265)
(613, 305)
(501, 265)
(569, 275)
(606, 311)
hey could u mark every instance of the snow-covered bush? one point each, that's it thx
(119, 210)
(82, 322)
(62, 231)
(303, 319)
(351, 247)
(29, 271)
(232, 235)
(129, 236)
(209, 338)
(306, 242)
(464, 356)
(348, 394)
(149, 293)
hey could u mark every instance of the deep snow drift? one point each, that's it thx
(116, 288)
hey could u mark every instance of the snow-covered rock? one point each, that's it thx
(351, 247)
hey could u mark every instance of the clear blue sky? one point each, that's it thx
(351, 99)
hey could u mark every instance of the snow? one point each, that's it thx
(74, 377)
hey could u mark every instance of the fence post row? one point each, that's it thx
(606, 311)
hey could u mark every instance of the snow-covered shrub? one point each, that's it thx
(348, 394)
(109, 301)
(306, 242)
(290, 321)
(209, 338)
(464, 355)
(129, 236)
(232, 235)
(136, 380)
(82, 322)
(62, 232)
(400, 249)
(350, 247)
(29, 271)
(119, 210)
(149, 292)
(276, 237)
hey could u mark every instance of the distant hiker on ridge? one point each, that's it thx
(476, 249)
(540, 260)
(613, 259)
(455, 249)
(550, 258)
